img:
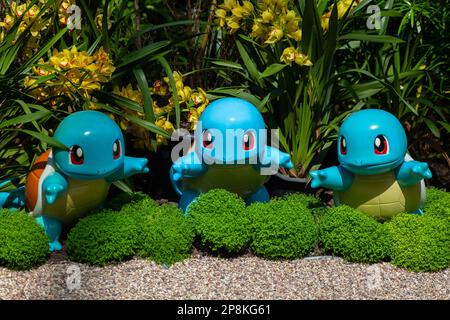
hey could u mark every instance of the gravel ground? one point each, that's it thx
(205, 277)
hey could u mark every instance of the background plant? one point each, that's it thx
(307, 64)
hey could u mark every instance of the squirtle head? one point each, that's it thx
(230, 131)
(370, 142)
(96, 146)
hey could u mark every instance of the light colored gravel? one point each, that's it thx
(205, 277)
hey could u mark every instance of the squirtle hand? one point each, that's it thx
(285, 161)
(317, 177)
(52, 192)
(140, 165)
(133, 166)
(421, 170)
(178, 170)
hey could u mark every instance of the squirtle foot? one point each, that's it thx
(52, 228)
(261, 195)
(187, 197)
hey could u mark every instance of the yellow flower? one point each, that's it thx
(296, 35)
(290, 54)
(160, 88)
(267, 16)
(233, 23)
(302, 60)
(325, 20)
(275, 35)
(199, 97)
(77, 72)
(221, 15)
(228, 5)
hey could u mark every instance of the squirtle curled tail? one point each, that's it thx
(12, 199)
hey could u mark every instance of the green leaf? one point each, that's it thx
(229, 64)
(370, 38)
(147, 125)
(272, 69)
(143, 86)
(169, 73)
(430, 124)
(27, 66)
(249, 64)
(122, 186)
(24, 118)
(143, 53)
(44, 138)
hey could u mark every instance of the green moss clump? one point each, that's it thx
(102, 237)
(166, 236)
(314, 204)
(437, 204)
(354, 236)
(130, 201)
(282, 228)
(420, 243)
(220, 220)
(23, 243)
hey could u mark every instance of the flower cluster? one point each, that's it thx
(192, 103)
(35, 18)
(231, 13)
(290, 54)
(273, 21)
(342, 7)
(276, 20)
(69, 72)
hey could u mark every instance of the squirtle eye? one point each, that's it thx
(381, 145)
(76, 155)
(116, 149)
(343, 145)
(248, 141)
(207, 140)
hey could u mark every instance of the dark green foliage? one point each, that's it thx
(354, 236)
(220, 220)
(23, 243)
(103, 237)
(282, 228)
(135, 200)
(314, 204)
(437, 204)
(166, 236)
(420, 243)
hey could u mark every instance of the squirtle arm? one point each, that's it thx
(188, 166)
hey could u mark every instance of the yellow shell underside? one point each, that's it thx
(82, 197)
(380, 196)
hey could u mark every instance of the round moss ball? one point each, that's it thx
(437, 204)
(282, 229)
(314, 204)
(102, 237)
(348, 233)
(420, 243)
(166, 236)
(220, 220)
(130, 201)
(23, 243)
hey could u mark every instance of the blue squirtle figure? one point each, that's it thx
(230, 152)
(64, 185)
(375, 175)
